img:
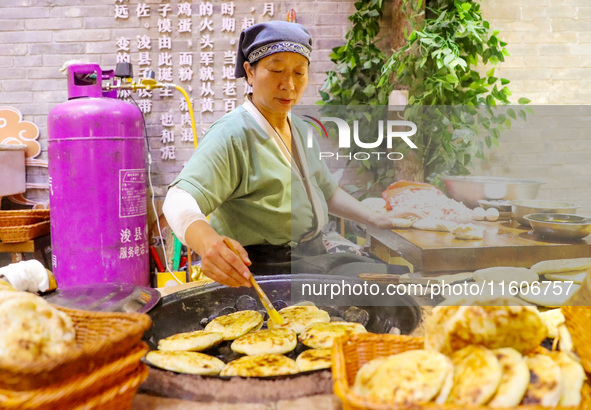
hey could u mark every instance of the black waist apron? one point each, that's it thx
(312, 257)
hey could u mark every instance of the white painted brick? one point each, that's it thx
(55, 48)
(15, 97)
(503, 13)
(26, 37)
(83, 11)
(76, 36)
(10, 73)
(570, 25)
(13, 49)
(23, 12)
(6, 62)
(52, 24)
(11, 24)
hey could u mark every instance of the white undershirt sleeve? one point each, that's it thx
(181, 210)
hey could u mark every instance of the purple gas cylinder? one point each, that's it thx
(97, 185)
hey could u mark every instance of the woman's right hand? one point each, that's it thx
(218, 261)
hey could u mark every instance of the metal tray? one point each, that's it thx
(106, 297)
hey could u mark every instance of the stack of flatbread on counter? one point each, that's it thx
(484, 352)
(264, 349)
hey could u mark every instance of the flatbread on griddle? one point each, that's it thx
(412, 377)
(561, 265)
(546, 385)
(235, 324)
(573, 377)
(314, 359)
(514, 379)
(264, 365)
(323, 335)
(186, 362)
(299, 318)
(191, 341)
(268, 341)
(477, 375)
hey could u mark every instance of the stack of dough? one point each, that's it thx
(564, 269)
(477, 355)
(32, 329)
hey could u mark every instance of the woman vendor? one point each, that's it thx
(258, 183)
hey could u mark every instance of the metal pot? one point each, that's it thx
(470, 189)
(522, 208)
(560, 226)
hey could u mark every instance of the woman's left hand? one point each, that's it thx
(392, 219)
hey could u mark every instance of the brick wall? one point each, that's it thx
(550, 63)
(550, 43)
(38, 36)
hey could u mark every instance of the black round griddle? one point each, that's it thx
(192, 309)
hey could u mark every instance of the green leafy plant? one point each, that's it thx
(449, 39)
(438, 67)
(358, 62)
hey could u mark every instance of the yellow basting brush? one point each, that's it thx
(273, 314)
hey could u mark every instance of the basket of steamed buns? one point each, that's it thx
(57, 358)
(476, 354)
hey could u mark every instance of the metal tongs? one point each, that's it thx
(273, 314)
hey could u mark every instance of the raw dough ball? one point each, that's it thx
(492, 214)
(478, 214)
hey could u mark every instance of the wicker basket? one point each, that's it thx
(349, 355)
(20, 220)
(101, 339)
(23, 233)
(121, 376)
(26, 213)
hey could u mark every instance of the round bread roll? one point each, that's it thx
(268, 341)
(314, 359)
(514, 379)
(235, 324)
(32, 329)
(546, 385)
(412, 377)
(191, 341)
(186, 362)
(502, 322)
(299, 318)
(264, 365)
(323, 335)
(477, 375)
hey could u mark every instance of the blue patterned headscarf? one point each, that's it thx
(264, 39)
